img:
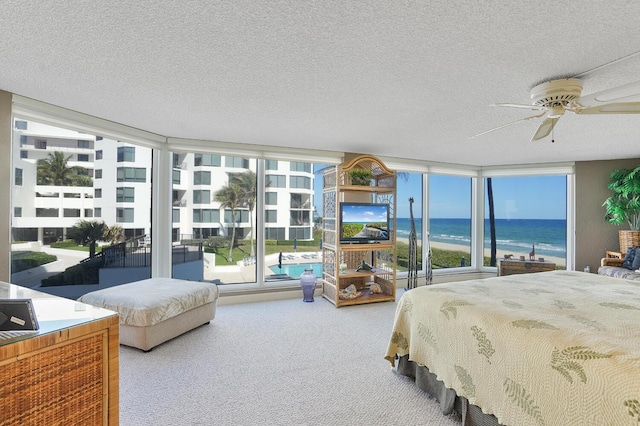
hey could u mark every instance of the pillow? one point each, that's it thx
(636, 260)
(629, 258)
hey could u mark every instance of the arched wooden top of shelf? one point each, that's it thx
(383, 176)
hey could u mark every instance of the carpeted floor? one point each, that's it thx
(276, 363)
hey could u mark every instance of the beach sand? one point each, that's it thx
(559, 261)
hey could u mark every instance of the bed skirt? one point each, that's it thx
(471, 415)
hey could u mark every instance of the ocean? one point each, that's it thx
(512, 235)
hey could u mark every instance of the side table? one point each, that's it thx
(511, 267)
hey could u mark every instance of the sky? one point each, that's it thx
(526, 197)
(364, 214)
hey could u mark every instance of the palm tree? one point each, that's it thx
(247, 183)
(88, 233)
(114, 234)
(55, 170)
(231, 197)
(492, 222)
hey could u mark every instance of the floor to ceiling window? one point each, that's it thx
(450, 221)
(82, 201)
(409, 187)
(293, 206)
(252, 217)
(213, 213)
(530, 214)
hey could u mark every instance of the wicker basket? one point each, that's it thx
(628, 239)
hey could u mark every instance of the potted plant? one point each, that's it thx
(360, 176)
(624, 205)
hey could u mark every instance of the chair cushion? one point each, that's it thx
(636, 260)
(629, 257)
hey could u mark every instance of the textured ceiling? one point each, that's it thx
(409, 79)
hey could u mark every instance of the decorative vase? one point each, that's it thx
(308, 283)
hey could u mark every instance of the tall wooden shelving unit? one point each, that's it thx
(338, 188)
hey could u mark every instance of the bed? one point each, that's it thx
(549, 348)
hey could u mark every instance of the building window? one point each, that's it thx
(301, 201)
(99, 154)
(131, 174)
(17, 211)
(125, 195)
(41, 212)
(271, 164)
(21, 125)
(271, 198)
(176, 177)
(41, 144)
(71, 212)
(24, 154)
(98, 174)
(84, 144)
(201, 196)
(72, 195)
(276, 181)
(201, 178)
(98, 211)
(299, 218)
(238, 162)
(299, 182)
(241, 216)
(296, 166)
(204, 233)
(207, 160)
(299, 233)
(88, 213)
(126, 153)
(97, 192)
(206, 216)
(274, 234)
(124, 215)
(175, 216)
(18, 177)
(271, 216)
(83, 157)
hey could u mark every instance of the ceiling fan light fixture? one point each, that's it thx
(556, 111)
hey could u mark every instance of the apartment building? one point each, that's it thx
(118, 189)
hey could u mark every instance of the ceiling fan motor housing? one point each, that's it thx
(556, 93)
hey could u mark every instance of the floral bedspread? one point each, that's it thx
(550, 348)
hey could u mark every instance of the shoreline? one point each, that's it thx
(559, 261)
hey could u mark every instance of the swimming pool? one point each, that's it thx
(296, 269)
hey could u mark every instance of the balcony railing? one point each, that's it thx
(131, 255)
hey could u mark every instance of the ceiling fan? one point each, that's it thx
(553, 98)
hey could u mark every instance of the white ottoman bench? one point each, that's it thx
(155, 310)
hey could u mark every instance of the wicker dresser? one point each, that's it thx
(511, 267)
(65, 373)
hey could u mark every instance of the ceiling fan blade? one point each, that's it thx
(620, 93)
(536, 107)
(508, 124)
(544, 128)
(612, 108)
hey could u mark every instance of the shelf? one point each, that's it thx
(364, 188)
(364, 298)
(381, 255)
(367, 247)
(352, 273)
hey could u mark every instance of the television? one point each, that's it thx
(364, 223)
